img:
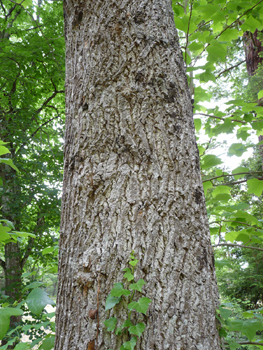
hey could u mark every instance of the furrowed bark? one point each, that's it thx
(132, 181)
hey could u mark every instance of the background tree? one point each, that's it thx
(31, 118)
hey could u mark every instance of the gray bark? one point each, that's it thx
(132, 180)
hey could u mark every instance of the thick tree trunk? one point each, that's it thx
(132, 180)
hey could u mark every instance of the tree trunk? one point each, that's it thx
(132, 180)
(253, 47)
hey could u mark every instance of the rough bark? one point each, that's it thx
(132, 180)
(253, 47)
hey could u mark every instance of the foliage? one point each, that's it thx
(141, 306)
(226, 103)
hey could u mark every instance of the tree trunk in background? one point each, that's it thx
(132, 180)
(253, 47)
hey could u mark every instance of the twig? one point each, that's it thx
(237, 245)
(228, 69)
(239, 222)
(230, 25)
(217, 177)
(237, 182)
(250, 343)
(33, 134)
(213, 116)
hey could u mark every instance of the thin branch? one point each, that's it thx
(39, 26)
(228, 69)
(230, 25)
(3, 8)
(36, 22)
(213, 116)
(249, 343)
(237, 182)
(39, 224)
(28, 251)
(236, 245)
(217, 177)
(34, 133)
(180, 5)
(239, 222)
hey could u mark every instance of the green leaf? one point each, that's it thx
(224, 313)
(207, 185)
(201, 150)
(110, 323)
(34, 285)
(37, 300)
(134, 262)
(22, 346)
(239, 169)
(111, 302)
(118, 290)
(138, 285)
(127, 323)
(27, 3)
(247, 327)
(210, 160)
(48, 343)
(23, 234)
(220, 190)
(3, 150)
(255, 186)
(198, 124)
(221, 263)
(141, 305)
(260, 94)
(129, 345)
(237, 149)
(49, 250)
(137, 329)
(5, 314)
(4, 236)
(9, 162)
(128, 274)
(201, 95)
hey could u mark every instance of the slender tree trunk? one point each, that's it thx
(253, 47)
(132, 180)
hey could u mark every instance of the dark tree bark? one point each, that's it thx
(253, 47)
(132, 180)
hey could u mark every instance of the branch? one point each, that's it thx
(34, 133)
(237, 245)
(239, 222)
(40, 223)
(43, 34)
(228, 69)
(230, 25)
(2, 264)
(217, 177)
(213, 116)
(28, 251)
(249, 343)
(237, 182)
